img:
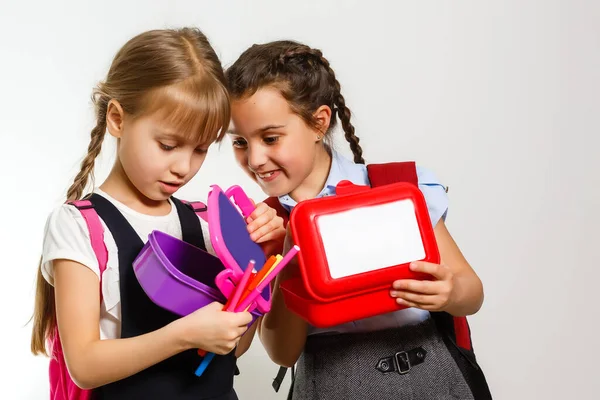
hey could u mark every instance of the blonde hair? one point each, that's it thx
(175, 72)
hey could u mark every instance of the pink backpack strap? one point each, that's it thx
(198, 207)
(92, 220)
(62, 386)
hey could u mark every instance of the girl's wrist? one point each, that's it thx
(179, 332)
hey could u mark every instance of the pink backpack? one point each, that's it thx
(62, 386)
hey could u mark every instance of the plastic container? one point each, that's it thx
(354, 245)
(178, 276)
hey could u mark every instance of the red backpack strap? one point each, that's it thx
(198, 207)
(274, 203)
(384, 174)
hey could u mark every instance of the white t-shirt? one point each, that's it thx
(66, 236)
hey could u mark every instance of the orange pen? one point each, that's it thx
(260, 276)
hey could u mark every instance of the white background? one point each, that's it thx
(501, 99)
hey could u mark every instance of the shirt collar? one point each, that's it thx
(341, 169)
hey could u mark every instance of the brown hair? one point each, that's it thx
(175, 72)
(302, 75)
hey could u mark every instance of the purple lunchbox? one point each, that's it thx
(178, 276)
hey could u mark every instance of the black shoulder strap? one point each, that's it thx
(190, 224)
(278, 380)
(116, 223)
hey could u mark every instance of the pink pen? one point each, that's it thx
(243, 306)
(241, 287)
(236, 296)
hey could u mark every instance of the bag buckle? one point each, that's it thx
(402, 362)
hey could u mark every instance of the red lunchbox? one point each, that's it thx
(354, 245)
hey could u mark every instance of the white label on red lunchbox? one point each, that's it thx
(370, 238)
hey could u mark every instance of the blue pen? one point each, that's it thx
(204, 364)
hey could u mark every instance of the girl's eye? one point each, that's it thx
(271, 139)
(239, 143)
(166, 147)
(201, 151)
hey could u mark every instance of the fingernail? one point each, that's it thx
(413, 265)
(393, 293)
(400, 301)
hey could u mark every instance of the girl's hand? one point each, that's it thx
(434, 295)
(264, 225)
(212, 329)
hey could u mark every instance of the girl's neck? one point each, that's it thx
(119, 186)
(315, 181)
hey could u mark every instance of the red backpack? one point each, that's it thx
(455, 331)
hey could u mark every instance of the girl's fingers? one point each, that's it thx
(411, 285)
(260, 220)
(439, 272)
(415, 298)
(271, 226)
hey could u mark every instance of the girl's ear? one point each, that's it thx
(114, 118)
(323, 118)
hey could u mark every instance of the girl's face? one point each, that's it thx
(273, 145)
(155, 159)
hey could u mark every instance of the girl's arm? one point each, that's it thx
(246, 340)
(467, 290)
(283, 333)
(93, 362)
